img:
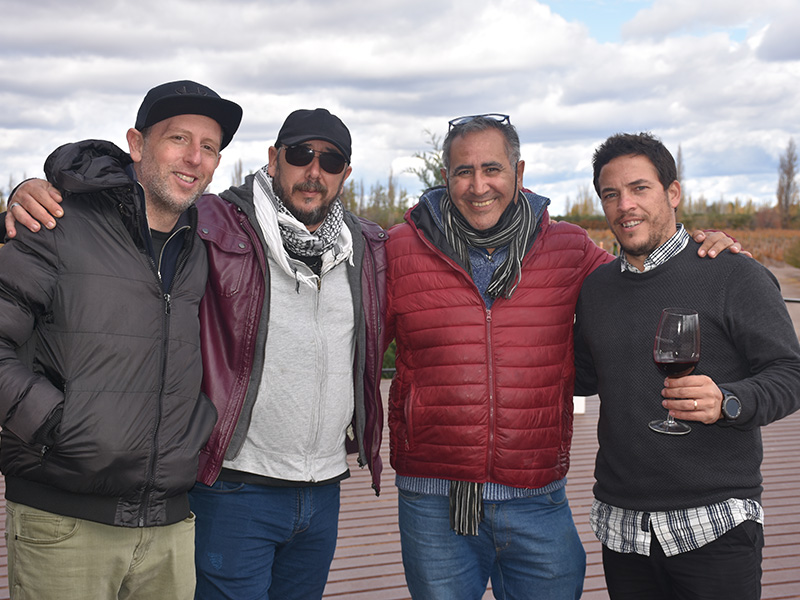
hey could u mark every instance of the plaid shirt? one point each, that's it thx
(661, 254)
(629, 531)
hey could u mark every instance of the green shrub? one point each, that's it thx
(388, 359)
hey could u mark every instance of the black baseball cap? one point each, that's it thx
(318, 124)
(189, 98)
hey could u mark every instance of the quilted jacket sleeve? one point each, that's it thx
(28, 275)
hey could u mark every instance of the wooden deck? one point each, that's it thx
(368, 566)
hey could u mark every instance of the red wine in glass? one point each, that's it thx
(676, 351)
(676, 368)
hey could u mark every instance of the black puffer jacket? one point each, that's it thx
(86, 327)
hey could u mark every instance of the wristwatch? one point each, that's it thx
(731, 406)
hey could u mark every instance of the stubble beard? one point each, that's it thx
(642, 249)
(654, 240)
(162, 198)
(156, 185)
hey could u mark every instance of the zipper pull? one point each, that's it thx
(167, 304)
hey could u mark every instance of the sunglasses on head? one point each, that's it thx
(301, 155)
(490, 116)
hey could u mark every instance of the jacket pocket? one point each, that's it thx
(230, 257)
(179, 460)
(408, 410)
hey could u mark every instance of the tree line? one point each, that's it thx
(386, 203)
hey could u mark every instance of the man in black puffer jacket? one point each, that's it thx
(100, 368)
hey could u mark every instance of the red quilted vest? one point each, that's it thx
(484, 395)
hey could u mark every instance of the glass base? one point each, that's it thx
(670, 427)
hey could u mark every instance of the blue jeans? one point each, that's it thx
(529, 547)
(255, 542)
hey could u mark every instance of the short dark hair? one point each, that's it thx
(482, 124)
(639, 144)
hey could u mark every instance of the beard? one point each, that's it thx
(308, 217)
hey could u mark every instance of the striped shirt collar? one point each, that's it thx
(661, 254)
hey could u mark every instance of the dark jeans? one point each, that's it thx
(257, 542)
(729, 567)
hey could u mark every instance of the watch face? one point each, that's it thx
(732, 408)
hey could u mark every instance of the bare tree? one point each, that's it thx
(683, 206)
(385, 204)
(585, 204)
(3, 197)
(238, 173)
(787, 184)
(679, 164)
(349, 198)
(430, 174)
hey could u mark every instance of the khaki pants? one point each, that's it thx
(52, 557)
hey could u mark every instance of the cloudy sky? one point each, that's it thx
(720, 78)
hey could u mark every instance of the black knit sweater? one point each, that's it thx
(748, 346)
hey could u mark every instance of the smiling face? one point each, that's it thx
(482, 181)
(307, 191)
(175, 160)
(639, 211)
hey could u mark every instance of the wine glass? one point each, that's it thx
(676, 351)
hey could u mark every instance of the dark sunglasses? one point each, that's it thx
(300, 156)
(491, 116)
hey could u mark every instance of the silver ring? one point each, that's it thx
(12, 205)
(695, 405)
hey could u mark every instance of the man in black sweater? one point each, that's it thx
(679, 516)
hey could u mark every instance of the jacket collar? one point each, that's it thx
(426, 216)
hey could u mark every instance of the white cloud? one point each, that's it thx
(780, 40)
(666, 17)
(393, 69)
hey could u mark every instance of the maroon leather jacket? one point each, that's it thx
(234, 318)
